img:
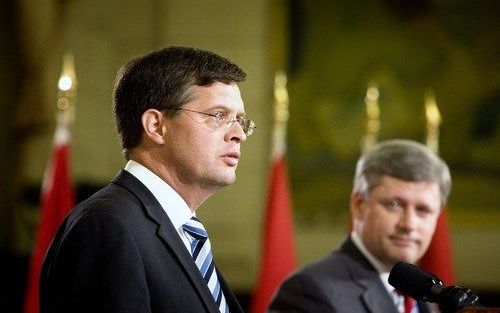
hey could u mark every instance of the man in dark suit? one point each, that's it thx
(399, 189)
(136, 245)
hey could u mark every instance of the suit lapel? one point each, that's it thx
(168, 234)
(374, 295)
(377, 299)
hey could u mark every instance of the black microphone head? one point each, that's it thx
(414, 282)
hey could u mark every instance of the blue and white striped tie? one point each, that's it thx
(202, 256)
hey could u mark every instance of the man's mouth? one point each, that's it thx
(231, 158)
(403, 241)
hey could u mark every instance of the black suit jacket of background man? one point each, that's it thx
(343, 282)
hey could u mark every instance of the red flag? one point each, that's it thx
(438, 258)
(278, 258)
(56, 201)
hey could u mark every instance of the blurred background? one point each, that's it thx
(332, 52)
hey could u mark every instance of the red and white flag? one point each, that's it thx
(56, 201)
(278, 258)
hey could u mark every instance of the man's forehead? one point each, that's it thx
(393, 183)
(222, 96)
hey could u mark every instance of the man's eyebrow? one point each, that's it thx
(394, 198)
(227, 110)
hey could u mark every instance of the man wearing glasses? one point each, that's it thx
(136, 245)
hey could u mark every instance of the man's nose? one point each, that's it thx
(235, 133)
(408, 218)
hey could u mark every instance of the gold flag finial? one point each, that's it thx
(281, 98)
(67, 88)
(281, 102)
(372, 117)
(433, 118)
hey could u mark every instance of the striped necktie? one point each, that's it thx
(202, 256)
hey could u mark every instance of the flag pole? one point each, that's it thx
(278, 257)
(372, 117)
(433, 118)
(372, 126)
(281, 114)
(438, 258)
(67, 89)
(56, 195)
(65, 114)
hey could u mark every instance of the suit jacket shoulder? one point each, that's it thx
(344, 281)
(118, 252)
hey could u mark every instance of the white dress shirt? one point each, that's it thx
(172, 203)
(383, 272)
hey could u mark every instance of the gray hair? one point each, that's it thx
(402, 159)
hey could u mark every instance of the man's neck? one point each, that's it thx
(193, 195)
(376, 263)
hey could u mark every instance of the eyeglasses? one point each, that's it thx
(221, 118)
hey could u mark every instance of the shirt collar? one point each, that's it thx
(172, 203)
(381, 269)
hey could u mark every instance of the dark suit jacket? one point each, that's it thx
(343, 282)
(119, 252)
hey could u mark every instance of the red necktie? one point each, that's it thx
(409, 301)
(409, 304)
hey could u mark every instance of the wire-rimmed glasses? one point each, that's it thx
(221, 118)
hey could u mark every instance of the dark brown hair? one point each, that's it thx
(160, 80)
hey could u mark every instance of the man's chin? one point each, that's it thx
(411, 260)
(408, 257)
(226, 180)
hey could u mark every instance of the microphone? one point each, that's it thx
(424, 286)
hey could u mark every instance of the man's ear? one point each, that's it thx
(357, 205)
(153, 125)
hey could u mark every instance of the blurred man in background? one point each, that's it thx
(400, 187)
